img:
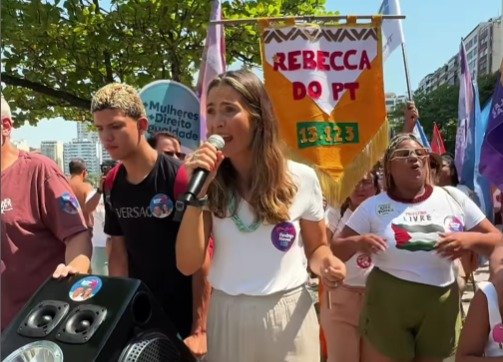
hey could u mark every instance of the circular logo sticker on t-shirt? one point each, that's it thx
(364, 261)
(161, 206)
(69, 203)
(85, 288)
(453, 224)
(283, 235)
(497, 333)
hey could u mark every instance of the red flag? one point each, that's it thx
(437, 143)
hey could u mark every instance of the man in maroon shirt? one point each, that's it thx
(43, 230)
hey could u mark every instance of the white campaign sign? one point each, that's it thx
(324, 68)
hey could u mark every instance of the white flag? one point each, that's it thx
(213, 62)
(391, 28)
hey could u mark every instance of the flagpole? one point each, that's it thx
(406, 68)
(307, 18)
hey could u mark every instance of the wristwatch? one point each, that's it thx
(203, 201)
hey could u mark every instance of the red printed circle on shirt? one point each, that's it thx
(364, 261)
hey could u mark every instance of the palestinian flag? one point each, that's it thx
(416, 237)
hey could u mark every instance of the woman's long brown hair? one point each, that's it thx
(271, 188)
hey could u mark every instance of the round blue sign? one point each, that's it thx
(173, 107)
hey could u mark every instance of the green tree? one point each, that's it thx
(56, 53)
(441, 107)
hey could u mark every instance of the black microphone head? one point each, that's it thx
(217, 141)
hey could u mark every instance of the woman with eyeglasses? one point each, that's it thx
(340, 307)
(414, 230)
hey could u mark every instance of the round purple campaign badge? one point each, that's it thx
(283, 235)
(453, 224)
(85, 288)
(161, 206)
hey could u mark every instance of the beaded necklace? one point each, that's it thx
(238, 222)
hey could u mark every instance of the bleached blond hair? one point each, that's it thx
(119, 96)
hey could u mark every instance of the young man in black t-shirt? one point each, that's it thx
(139, 212)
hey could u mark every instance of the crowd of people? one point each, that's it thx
(232, 274)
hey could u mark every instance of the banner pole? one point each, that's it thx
(406, 68)
(305, 18)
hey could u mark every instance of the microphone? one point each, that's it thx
(196, 182)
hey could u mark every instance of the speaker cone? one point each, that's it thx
(81, 324)
(38, 351)
(43, 318)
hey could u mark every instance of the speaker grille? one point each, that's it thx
(151, 347)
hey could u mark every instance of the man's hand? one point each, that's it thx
(411, 115)
(197, 344)
(62, 271)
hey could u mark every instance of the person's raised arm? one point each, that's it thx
(195, 228)
(191, 241)
(411, 115)
(93, 201)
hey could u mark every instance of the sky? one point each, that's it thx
(432, 28)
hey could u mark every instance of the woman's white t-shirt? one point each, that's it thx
(412, 230)
(271, 258)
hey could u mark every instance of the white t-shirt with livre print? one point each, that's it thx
(411, 231)
(271, 258)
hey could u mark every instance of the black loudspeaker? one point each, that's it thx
(93, 318)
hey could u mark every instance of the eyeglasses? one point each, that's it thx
(365, 184)
(407, 152)
(179, 155)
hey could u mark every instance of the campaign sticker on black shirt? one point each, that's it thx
(85, 288)
(161, 206)
(283, 235)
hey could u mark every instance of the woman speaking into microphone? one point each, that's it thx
(265, 214)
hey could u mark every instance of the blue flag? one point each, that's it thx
(481, 184)
(420, 135)
(491, 161)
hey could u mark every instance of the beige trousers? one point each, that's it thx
(272, 328)
(340, 323)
